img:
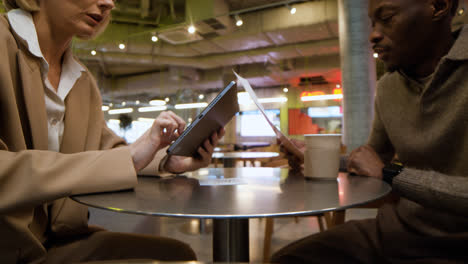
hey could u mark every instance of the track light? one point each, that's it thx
(93, 52)
(121, 46)
(191, 29)
(157, 102)
(239, 21)
(120, 111)
(292, 10)
(154, 38)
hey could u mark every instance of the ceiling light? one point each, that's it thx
(189, 106)
(338, 86)
(120, 111)
(461, 11)
(154, 38)
(152, 108)
(239, 21)
(111, 104)
(124, 103)
(93, 52)
(321, 97)
(201, 96)
(121, 46)
(104, 108)
(157, 102)
(292, 10)
(191, 29)
(376, 55)
(285, 89)
(137, 102)
(273, 100)
(190, 120)
(167, 99)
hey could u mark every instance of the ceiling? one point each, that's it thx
(272, 48)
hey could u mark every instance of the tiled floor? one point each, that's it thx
(286, 230)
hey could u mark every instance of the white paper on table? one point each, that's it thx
(280, 136)
(222, 181)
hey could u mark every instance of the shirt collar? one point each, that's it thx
(22, 23)
(459, 50)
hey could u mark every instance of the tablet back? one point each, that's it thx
(216, 115)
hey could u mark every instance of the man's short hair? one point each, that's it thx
(26, 5)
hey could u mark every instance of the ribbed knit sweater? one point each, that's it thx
(426, 126)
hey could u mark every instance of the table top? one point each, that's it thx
(244, 155)
(257, 192)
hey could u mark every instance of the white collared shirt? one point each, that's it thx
(22, 23)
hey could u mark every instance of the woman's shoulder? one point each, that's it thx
(6, 36)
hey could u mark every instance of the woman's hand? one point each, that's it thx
(165, 129)
(366, 162)
(180, 164)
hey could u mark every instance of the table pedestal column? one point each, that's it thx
(231, 240)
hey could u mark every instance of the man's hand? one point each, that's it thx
(180, 164)
(165, 129)
(294, 162)
(366, 162)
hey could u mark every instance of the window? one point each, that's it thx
(253, 123)
(132, 134)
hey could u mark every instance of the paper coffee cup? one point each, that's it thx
(322, 156)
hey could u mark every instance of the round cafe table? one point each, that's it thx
(230, 196)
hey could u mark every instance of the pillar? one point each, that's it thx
(358, 72)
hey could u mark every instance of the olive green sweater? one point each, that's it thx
(426, 126)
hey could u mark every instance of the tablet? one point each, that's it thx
(216, 115)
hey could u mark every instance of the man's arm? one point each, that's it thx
(434, 190)
(378, 139)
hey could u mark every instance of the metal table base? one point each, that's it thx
(231, 240)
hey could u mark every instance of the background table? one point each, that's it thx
(259, 192)
(229, 158)
(250, 145)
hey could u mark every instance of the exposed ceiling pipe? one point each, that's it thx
(310, 48)
(274, 24)
(145, 8)
(162, 83)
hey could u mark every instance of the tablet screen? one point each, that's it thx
(216, 115)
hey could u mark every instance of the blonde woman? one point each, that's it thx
(54, 142)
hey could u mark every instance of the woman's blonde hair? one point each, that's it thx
(26, 5)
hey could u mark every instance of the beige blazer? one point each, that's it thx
(34, 181)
